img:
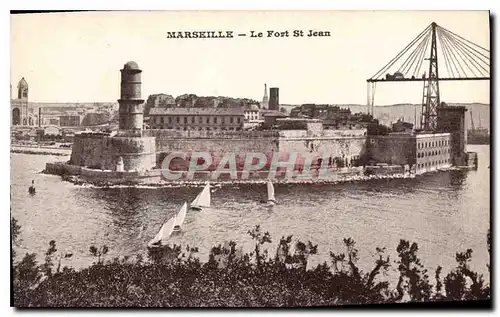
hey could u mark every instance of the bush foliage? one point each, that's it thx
(175, 277)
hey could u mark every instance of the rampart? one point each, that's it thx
(101, 151)
(341, 144)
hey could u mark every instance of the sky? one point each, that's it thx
(76, 57)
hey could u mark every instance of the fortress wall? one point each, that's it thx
(146, 152)
(342, 144)
(217, 148)
(162, 135)
(102, 152)
(218, 144)
(321, 147)
(87, 150)
(344, 133)
(326, 143)
(137, 153)
(393, 150)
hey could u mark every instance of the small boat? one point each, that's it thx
(271, 200)
(179, 219)
(32, 189)
(202, 200)
(163, 234)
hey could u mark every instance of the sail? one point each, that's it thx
(179, 219)
(293, 248)
(270, 191)
(165, 231)
(203, 198)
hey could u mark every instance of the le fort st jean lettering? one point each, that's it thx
(251, 34)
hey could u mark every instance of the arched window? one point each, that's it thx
(16, 116)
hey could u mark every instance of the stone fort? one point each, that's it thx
(133, 148)
(141, 151)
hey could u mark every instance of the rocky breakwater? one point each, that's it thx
(40, 150)
(156, 178)
(81, 175)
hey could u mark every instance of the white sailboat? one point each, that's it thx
(163, 234)
(292, 248)
(271, 200)
(203, 199)
(179, 219)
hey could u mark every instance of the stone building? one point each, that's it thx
(426, 150)
(451, 119)
(401, 126)
(201, 119)
(69, 121)
(159, 101)
(433, 151)
(270, 117)
(251, 113)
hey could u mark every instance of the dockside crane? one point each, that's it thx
(462, 60)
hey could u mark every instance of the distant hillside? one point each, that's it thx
(387, 114)
(390, 113)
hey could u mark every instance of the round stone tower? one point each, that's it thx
(128, 150)
(131, 104)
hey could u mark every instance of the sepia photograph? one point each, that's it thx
(250, 159)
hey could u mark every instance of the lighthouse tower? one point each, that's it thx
(128, 150)
(131, 103)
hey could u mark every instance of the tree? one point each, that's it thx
(412, 273)
(260, 238)
(98, 252)
(456, 281)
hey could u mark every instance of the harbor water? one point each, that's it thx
(444, 212)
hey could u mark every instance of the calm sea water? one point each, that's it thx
(444, 213)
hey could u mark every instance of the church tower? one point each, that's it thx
(265, 99)
(22, 89)
(19, 106)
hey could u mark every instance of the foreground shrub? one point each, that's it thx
(175, 277)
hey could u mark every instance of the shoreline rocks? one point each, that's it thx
(196, 183)
(32, 152)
